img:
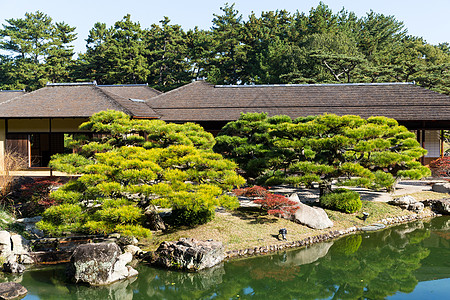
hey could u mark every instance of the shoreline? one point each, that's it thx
(333, 234)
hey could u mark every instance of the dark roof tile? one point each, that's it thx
(201, 101)
(71, 100)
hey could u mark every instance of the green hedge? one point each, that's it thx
(342, 200)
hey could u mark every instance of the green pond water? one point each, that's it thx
(410, 261)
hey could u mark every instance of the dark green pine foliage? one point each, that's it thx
(167, 55)
(318, 46)
(227, 64)
(115, 55)
(38, 51)
(372, 153)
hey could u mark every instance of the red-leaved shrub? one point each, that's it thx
(277, 204)
(254, 191)
(274, 204)
(441, 166)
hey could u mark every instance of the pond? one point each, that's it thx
(409, 261)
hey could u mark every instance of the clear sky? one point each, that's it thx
(428, 19)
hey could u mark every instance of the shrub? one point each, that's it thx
(119, 215)
(277, 204)
(254, 191)
(97, 227)
(342, 200)
(62, 218)
(190, 217)
(441, 166)
(133, 230)
(64, 213)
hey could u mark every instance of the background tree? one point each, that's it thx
(319, 46)
(226, 66)
(115, 55)
(168, 55)
(38, 48)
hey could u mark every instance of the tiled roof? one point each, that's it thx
(71, 100)
(133, 91)
(8, 95)
(201, 101)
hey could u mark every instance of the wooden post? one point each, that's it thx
(442, 143)
(423, 145)
(50, 141)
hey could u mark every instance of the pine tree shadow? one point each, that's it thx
(254, 215)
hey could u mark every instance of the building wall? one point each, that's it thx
(43, 125)
(433, 143)
(29, 126)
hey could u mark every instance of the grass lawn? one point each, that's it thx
(250, 227)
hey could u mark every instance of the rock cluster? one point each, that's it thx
(441, 187)
(99, 264)
(441, 206)
(409, 203)
(188, 254)
(15, 248)
(29, 225)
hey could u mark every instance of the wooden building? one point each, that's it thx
(34, 124)
(422, 111)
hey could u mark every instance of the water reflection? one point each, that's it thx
(372, 265)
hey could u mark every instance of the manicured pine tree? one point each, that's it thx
(350, 150)
(125, 174)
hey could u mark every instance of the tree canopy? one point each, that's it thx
(277, 47)
(372, 152)
(168, 165)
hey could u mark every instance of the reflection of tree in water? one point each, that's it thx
(371, 265)
(355, 267)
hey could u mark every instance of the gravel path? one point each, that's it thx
(404, 187)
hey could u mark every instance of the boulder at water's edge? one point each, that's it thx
(314, 217)
(99, 264)
(11, 290)
(189, 254)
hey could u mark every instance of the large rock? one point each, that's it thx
(441, 206)
(314, 217)
(408, 202)
(13, 267)
(441, 187)
(15, 248)
(189, 254)
(11, 290)
(153, 220)
(100, 264)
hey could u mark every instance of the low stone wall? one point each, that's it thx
(323, 237)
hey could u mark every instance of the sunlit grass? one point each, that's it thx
(249, 227)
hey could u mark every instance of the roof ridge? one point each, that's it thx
(119, 85)
(179, 88)
(19, 96)
(70, 83)
(111, 97)
(314, 84)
